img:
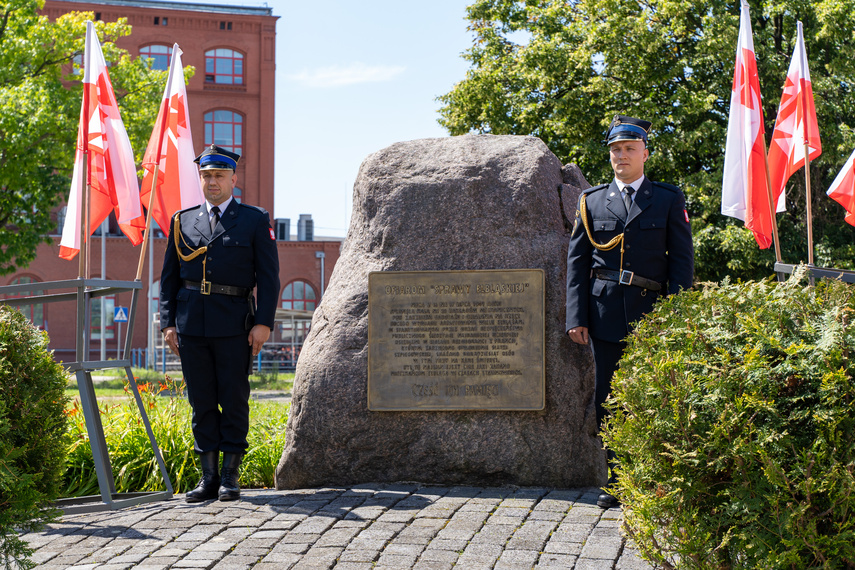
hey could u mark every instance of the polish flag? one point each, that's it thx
(744, 194)
(170, 148)
(111, 169)
(842, 190)
(796, 123)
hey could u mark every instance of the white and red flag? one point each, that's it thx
(796, 123)
(842, 190)
(170, 148)
(103, 145)
(744, 192)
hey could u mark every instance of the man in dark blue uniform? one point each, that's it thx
(631, 243)
(216, 254)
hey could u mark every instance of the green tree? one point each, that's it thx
(560, 70)
(40, 97)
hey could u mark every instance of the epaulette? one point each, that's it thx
(179, 212)
(669, 187)
(258, 209)
(595, 188)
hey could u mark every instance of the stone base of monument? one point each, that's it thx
(452, 398)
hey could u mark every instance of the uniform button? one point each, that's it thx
(626, 264)
(208, 272)
(628, 246)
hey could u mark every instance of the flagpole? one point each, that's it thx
(806, 121)
(146, 235)
(81, 267)
(808, 199)
(772, 205)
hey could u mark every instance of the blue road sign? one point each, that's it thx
(120, 314)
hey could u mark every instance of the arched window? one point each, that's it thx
(36, 313)
(299, 295)
(160, 55)
(224, 67)
(225, 129)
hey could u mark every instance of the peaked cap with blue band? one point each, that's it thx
(216, 158)
(625, 128)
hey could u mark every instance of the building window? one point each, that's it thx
(109, 325)
(160, 55)
(224, 129)
(225, 25)
(224, 67)
(35, 313)
(300, 296)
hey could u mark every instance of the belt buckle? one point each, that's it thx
(206, 287)
(626, 277)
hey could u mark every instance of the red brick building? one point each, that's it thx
(231, 101)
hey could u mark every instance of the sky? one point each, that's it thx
(353, 78)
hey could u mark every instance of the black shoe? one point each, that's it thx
(229, 488)
(210, 481)
(607, 501)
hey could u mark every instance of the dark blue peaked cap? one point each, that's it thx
(216, 158)
(625, 128)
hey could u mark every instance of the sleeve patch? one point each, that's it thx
(273, 236)
(685, 213)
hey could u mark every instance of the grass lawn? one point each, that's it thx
(111, 382)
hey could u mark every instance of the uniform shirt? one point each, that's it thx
(241, 252)
(657, 246)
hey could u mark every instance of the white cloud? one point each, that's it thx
(339, 76)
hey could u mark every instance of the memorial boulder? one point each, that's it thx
(438, 352)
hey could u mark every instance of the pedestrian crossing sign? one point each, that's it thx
(120, 314)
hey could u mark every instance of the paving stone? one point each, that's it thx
(359, 555)
(630, 559)
(548, 560)
(517, 559)
(606, 548)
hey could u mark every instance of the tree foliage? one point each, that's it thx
(40, 97)
(561, 69)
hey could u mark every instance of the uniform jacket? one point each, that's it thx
(241, 252)
(657, 244)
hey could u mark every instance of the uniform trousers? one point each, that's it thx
(215, 371)
(606, 357)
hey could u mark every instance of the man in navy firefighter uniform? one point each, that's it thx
(631, 243)
(216, 254)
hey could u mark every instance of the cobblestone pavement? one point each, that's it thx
(372, 526)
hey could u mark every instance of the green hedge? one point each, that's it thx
(734, 424)
(32, 428)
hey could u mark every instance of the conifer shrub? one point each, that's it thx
(733, 418)
(32, 428)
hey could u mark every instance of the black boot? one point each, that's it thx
(207, 487)
(606, 500)
(229, 488)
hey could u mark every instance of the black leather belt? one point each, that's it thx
(207, 288)
(627, 278)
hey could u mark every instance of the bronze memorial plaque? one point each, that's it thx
(456, 340)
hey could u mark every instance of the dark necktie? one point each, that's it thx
(627, 197)
(216, 219)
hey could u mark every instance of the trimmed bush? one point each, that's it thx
(733, 418)
(32, 429)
